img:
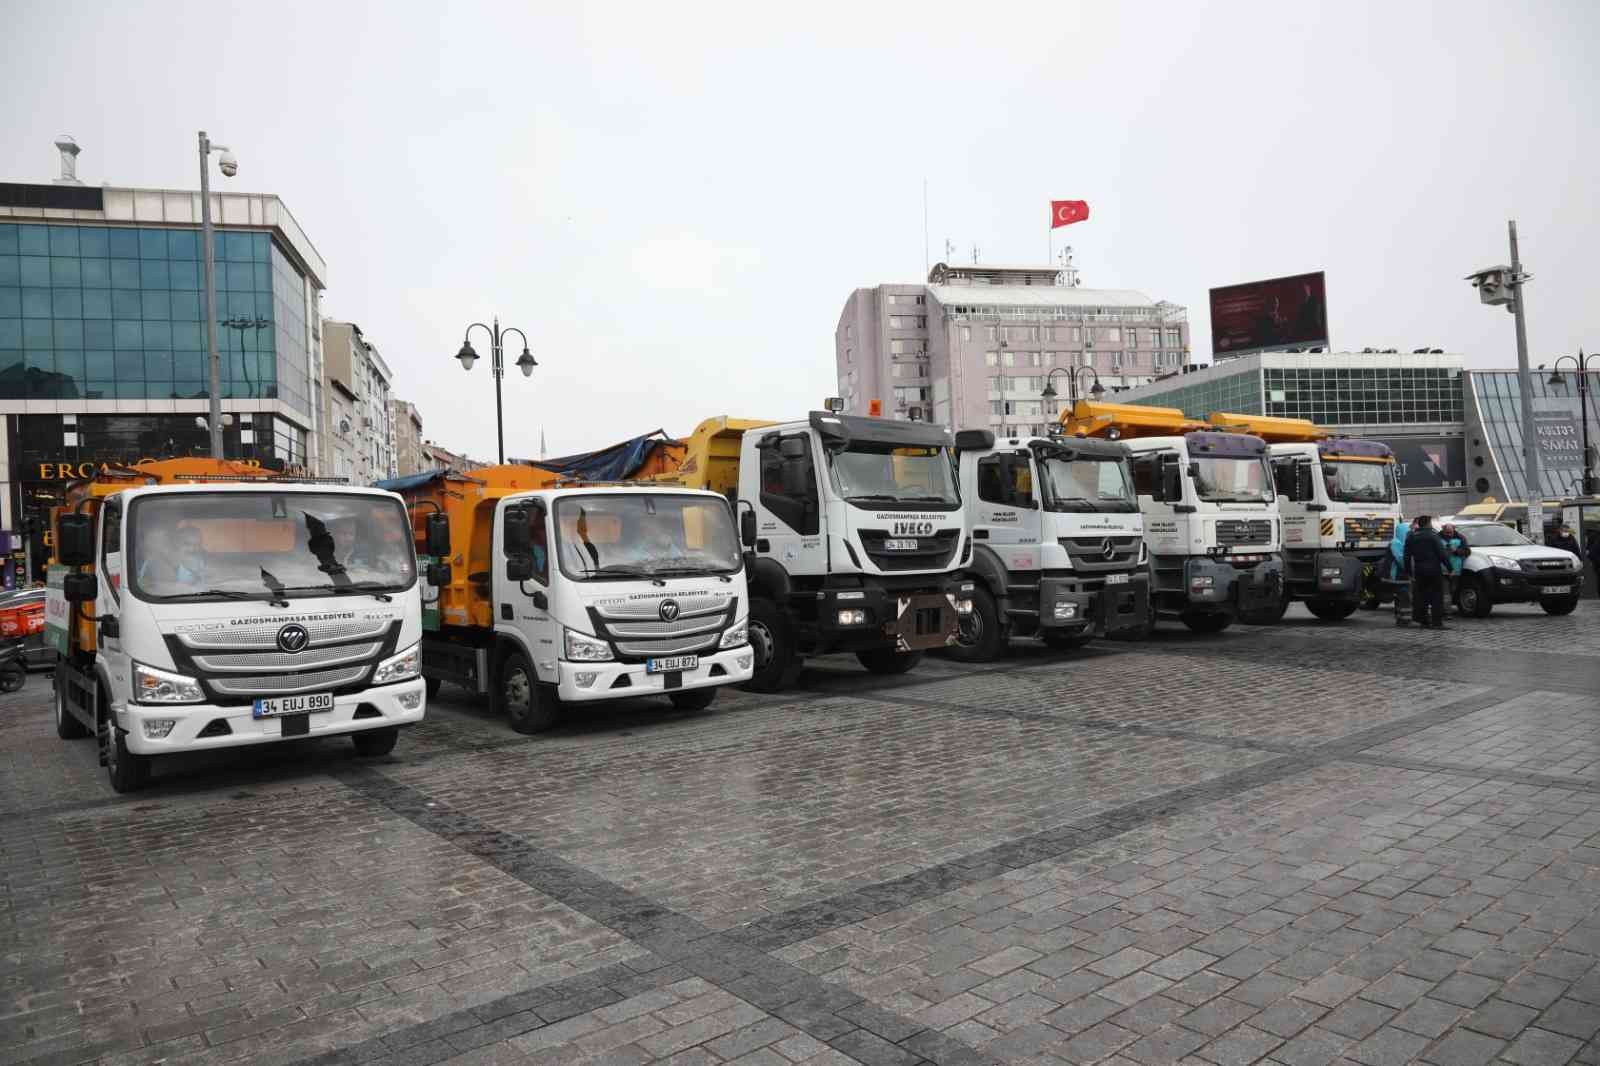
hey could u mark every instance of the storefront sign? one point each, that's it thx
(79, 471)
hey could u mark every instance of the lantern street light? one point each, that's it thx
(1581, 363)
(1096, 390)
(525, 362)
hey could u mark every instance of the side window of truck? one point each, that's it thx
(111, 548)
(789, 486)
(991, 485)
(1147, 475)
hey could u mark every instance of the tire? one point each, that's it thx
(371, 743)
(67, 727)
(697, 699)
(980, 638)
(1472, 600)
(1058, 640)
(1564, 605)
(1202, 622)
(887, 661)
(1268, 616)
(777, 661)
(1141, 632)
(1333, 610)
(13, 679)
(432, 686)
(530, 706)
(126, 771)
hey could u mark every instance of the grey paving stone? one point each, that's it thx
(1540, 1047)
(1463, 1048)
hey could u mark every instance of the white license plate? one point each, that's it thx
(1554, 590)
(310, 703)
(671, 664)
(1116, 579)
(900, 545)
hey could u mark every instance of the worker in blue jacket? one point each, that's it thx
(1397, 573)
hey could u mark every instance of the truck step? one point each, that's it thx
(1024, 612)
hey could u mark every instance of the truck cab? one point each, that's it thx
(1058, 547)
(1210, 520)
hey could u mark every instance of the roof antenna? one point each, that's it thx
(69, 160)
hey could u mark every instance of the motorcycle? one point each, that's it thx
(13, 667)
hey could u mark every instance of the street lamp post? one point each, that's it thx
(229, 167)
(1049, 393)
(497, 365)
(1581, 363)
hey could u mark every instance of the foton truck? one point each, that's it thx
(1058, 543)
(545, 598)
(853, 534)
(1210, 512)
(199, 603)
(1339, 502)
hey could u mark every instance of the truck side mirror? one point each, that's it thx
(747, 529)
(75, 540)
(439, 574)
(438, 537)
(974, 440)
(792, 447)
(518, 535)
(1303, 489)
(80, 588)
(519, 567)
(1171, 483)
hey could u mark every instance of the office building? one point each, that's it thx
(973, 346)
(102, 333)
(408, 454)
(358, 442)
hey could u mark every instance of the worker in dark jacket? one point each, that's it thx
(1427, 564)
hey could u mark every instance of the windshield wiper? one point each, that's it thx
(874, 496)
(221, 594)
(684, 570)
(617, 570)
(378, 590)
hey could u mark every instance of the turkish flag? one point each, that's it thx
(1066, 212)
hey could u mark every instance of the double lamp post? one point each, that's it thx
(525, 362)
(1580, 363)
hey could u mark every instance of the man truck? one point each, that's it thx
(853, 533)
(545, 594)
(200, 603)
(1058, 543)
(1210, 515)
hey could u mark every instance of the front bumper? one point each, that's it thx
(400, 704)
(1228, 587)
(1095, 606)
(1339, 576)
(594, 682)
(1521, 586)
(909, 619)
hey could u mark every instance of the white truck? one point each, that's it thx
(1058, 542)
(1210, 514)
(573, 595)
(198, 604)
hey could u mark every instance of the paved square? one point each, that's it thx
(1306, 844)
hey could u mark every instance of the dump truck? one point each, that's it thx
(1057, 542)
(853, 533)
(1210, 511)
(1339, 502)
(200, 603)
(546, 593)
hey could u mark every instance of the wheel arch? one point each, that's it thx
(768, 579)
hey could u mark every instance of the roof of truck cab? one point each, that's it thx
(264, 485)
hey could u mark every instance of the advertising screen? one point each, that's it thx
(1428, 462)
(1272, 314)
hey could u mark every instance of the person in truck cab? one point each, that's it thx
(178, 569)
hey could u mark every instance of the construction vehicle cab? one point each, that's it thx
(1058, 548)
(199, 603)
(1210, 523)
(1339, 502)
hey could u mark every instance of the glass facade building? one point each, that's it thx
(1238, 394)
(1366, 396)
(1495, 433)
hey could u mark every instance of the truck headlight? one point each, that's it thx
(1204, 581)
(1144, 552)
(1066, 612)
(402, 667)
(734, 636)
(581, 648)
(853, 618)
(158, 686)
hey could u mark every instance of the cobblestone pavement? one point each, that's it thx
(1300, 845)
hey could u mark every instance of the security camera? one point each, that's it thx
(228, 164)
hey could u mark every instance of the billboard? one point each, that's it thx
(1272, 314)
(1428, 462)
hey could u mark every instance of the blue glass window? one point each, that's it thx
(65, 273)
(97, 333)
(10, 303)
(66, 303)
(33, 240)
(153, 274)
(187, 335)
(69, 333)
(124, 273)
(239, 304)
(157, 364)
(96, 303)
(126, 304)
(92, 242)
(10, 333)
(35, 303)
(96, 273)
(63, 240)
(129, 334)
(236, 247)
(100, 365)
(69, 361)
(10, 270)
(123, 243)
(189, 365)
(35, 270)
(186, 306)
(185, 274)
(152, 244)
(157, 303)
(185, 244)
(37, 332)
(130, 364)
(241, 277)
(8, 238)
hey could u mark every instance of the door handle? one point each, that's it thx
(541, 601)
(763, 545)
(980, 534)
(109, 627)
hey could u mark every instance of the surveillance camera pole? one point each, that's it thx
(1530, 442)
(214, 360)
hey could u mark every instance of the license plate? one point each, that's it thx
(311, 703)
(1554, 590)
(671, 663)
(1116, 579)
(900, 545)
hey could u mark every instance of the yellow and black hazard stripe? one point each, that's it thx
(1327, 527)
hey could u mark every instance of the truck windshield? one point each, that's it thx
(887, 474)
(1359, 482)
(1088, 484)
(200, 547)
(1226, 479)
(605, 536)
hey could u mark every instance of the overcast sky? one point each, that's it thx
(674, 200)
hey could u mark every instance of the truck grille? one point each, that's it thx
(256, 661)
(1101, 553)
(643, 649)
(242, 663)
(1236, 532)
(931, 553)
(288, 684)
(264, 637)
(637, 631)
(1369, 529)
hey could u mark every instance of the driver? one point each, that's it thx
(177, 570)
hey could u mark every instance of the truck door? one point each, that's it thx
(1298, 529)
(523, 583)
(108, 604)
(1159, 486)
(1008, 519)
(789, 515)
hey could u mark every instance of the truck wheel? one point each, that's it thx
(697, 699)
(1472, 600)
(67, 727)
(1332, 610)
(777, 663)
(432, 686)
(1267, 616)
(1206, 622)
(1564, 605)
(889, 661)
(979, 638)
(530, 708)
(1140, 632)
(371, 743)
(126, 770)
